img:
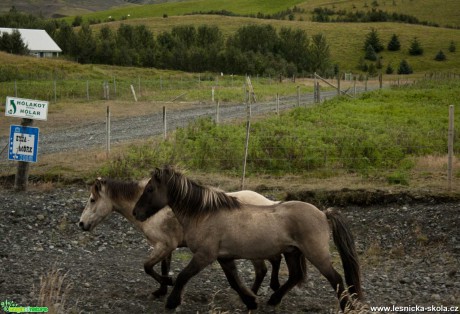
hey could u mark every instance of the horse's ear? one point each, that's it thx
(98, 184)
(156, 174)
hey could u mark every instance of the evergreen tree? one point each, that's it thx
(12, 43)
(452, 47)
(373, 40)
(404, 68)
(389, 69)
(319, 54)
(17, 45)
(394, 44)
(370, 53)
(440, 56)
(415, 48)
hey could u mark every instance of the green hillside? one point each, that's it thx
(345, 39)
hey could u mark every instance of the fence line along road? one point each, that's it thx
(92, 135)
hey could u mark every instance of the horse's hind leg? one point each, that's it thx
(229, 268)
(260, 270)
(274, 280)
(295, 263)
(334, 278)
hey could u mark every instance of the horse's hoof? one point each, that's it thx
(250, 303)
(162, 291)
(274, 300)
(171, 304)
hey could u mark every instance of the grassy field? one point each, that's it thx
(442, 12)
(393, 136)
(186, 7)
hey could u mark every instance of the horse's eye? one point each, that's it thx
(92, 200)
(150, 189)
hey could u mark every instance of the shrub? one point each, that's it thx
(452, 47)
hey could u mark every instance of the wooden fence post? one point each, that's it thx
(107, 136)
(450, 146)
(164, 123)
(246, 145)
(338, 84)
(278, 104)
(217, 112)
(298, 96)
(134, 93)
(22, 173)
(87, 90)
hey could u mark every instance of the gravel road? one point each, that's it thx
(88, 135)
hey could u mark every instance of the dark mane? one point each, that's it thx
(119, 190)
(191, 199)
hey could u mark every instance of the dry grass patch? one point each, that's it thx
(53, 291)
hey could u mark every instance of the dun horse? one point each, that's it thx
(163, 231)
(219, 226)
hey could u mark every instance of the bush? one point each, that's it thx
(452, 47)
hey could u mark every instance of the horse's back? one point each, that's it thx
(251, 197)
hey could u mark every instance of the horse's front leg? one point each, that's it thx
(198, 262)
(161, 253)
(246, 295)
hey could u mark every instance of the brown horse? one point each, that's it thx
(163, 231)
(219, 226)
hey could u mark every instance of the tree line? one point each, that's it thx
(252, 49)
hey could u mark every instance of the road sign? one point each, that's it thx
(23, 143)
(26, 108)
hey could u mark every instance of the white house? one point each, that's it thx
(39, 43)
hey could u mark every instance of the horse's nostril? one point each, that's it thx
(81, 224)
(134, 213)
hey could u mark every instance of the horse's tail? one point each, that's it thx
(345, 243)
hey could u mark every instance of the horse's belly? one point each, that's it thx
(251, 240)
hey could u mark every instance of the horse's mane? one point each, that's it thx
(191, 199)
(119, 190)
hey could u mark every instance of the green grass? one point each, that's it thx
(379, 135)
(442, 12)
(187, 7)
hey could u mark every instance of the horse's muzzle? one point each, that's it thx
(84, 227)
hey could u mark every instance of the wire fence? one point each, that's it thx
(313, 155)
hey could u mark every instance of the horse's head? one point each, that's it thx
(154, 197)
(98, 206)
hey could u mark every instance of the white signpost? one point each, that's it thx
(26, 108)
(24, 138)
